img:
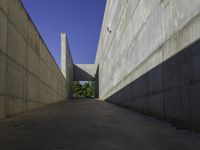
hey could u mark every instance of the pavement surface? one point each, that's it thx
(91, 125)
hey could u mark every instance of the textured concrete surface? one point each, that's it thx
(145, 60)
(170, 91)
(129, 50)
(66, 64)
(66, 57)
(82, 125)
(29, 76)
(84, 72)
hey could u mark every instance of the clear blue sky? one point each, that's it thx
(80, 19)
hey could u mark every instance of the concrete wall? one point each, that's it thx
(84, 72)
(148, 58)
(66, 63)
(29, 76)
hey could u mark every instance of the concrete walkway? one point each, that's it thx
(91, 125)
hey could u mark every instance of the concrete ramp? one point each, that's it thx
(91, 125)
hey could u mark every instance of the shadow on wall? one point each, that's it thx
(97, 83)
(82, 75)
(170, 91)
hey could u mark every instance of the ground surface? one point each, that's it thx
(91, 125)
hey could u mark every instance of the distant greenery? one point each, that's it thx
(84, 89)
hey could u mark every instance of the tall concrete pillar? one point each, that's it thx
(63, 53)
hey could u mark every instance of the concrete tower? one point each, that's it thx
(63, 53)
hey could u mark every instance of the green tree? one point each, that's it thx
(86, 89)
(90, 89)
(77, 89)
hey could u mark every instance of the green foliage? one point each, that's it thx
(84, 90)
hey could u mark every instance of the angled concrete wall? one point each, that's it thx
(84, 72)
(148, 58)
(29, 76)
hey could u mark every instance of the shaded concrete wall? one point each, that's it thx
(84, 72)
(29, 76)
(148, 58)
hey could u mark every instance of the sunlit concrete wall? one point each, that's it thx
(29, 76)
(148, 57)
